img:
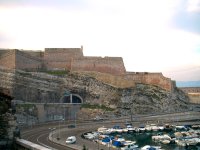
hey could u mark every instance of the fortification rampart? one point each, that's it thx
(61, 58)
(28, 62)
(62, 54)
(73, 59)
(58, 65)
(193, 93)
(37, 54)
(190, 89)
(113, 80)
(8, 60)
(114, 66)
(4, 51)
(156, 79)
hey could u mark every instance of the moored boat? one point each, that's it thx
(148, 147)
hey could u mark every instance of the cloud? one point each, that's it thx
(5, 40)
(187, 16)
(187, 73)
(193, 6)
(3, 37)
(57, 4)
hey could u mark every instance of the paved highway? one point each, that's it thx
(40, 134)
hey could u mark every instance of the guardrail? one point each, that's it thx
(29, 145)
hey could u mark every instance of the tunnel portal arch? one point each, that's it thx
(72, 99)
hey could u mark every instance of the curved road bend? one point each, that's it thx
(40, 133)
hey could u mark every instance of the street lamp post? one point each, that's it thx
(59, 128)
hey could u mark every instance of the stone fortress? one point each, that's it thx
(72, 59)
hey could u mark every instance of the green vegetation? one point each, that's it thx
(30, 109)
(25, 106)
(57, 72)
(96, 106)
(25, 73)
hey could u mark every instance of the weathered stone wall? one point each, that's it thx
(24, 61)
(194, 98)
(156, 79)
(38, 54)
(58, 65)
(193, 93)
(7, 59)
(115, 81)
(191, 89)
(111, 65)
(4, 51)
(62, 54)
(61, 58)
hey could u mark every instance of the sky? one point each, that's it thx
(150, 35)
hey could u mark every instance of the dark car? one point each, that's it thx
(71, 126)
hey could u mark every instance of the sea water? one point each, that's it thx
(143, 139)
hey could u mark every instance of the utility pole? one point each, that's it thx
(75, 119)
(59, 127)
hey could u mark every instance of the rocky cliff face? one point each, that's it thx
(150, 99)
(45, 88)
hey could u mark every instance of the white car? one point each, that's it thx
(71, 140)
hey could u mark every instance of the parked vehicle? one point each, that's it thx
(71, 140)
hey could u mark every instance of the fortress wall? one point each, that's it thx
(113, 80)
(111, 65)
(194, 98)
(191, 89)
(38, 54)
(24, 61)
(62, 54)
(4, 51)
(156, 79)
(7, 59)
(58, 65)
(193, 93)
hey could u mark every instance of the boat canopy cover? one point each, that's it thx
(106, 140)
(117, 143)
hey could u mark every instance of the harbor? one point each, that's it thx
(168, 137)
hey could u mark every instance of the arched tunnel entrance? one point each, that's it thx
(72, 99)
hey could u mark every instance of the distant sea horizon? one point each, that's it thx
(188, 83)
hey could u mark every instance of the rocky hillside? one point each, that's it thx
(150, 99)
(47, 88)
